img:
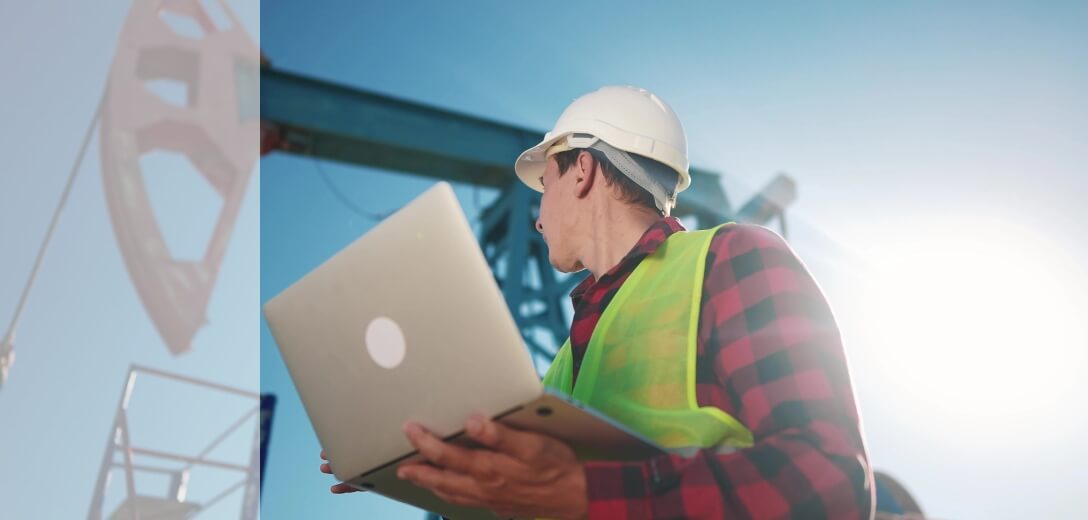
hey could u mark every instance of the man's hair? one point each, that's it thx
(630, 191)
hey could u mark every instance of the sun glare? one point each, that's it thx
(980, 324)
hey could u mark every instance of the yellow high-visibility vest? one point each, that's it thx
(639, 367)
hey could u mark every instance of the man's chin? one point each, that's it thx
(568, 268)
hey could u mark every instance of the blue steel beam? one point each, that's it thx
(770, 201)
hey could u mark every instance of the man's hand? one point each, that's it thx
(515, 474)
(336, 488)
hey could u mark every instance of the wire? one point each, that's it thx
(343, 199)
(8, 340)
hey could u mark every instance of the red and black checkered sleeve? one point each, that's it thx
(770, 355)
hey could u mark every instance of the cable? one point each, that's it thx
(7, 346)
(343, 199)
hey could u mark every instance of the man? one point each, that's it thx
(716, 339)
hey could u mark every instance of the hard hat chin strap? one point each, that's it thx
(652, 176)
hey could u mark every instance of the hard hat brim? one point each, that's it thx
(532, 162)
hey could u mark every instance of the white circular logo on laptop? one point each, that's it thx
(385, 342)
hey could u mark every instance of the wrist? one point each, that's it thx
(578, 493)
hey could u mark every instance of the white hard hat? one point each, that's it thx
(631, 119)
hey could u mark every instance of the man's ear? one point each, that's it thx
(588, 170)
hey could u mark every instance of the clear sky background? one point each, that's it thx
(84, 323)
(940, 156)
(939, 153)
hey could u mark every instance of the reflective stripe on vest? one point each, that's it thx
(639, 367)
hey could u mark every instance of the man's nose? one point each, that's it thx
(539, 227)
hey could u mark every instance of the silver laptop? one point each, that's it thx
(405, 324)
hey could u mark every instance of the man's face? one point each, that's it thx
(559, 217)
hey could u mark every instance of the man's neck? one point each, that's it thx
(615, 231)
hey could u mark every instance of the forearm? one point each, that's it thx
(784, 475)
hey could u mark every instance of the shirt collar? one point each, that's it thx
(654, 236)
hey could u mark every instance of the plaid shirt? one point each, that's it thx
(770, 356)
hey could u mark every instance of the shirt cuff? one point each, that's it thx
(626, 489)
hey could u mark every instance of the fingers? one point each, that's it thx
(436, 451)
(518, 444)
(325, 468)
(341, 488)
(450, 486)
(456, 499)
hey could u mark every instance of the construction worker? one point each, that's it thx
(718, 340)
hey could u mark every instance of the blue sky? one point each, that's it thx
(84, 323)
(939, 152)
